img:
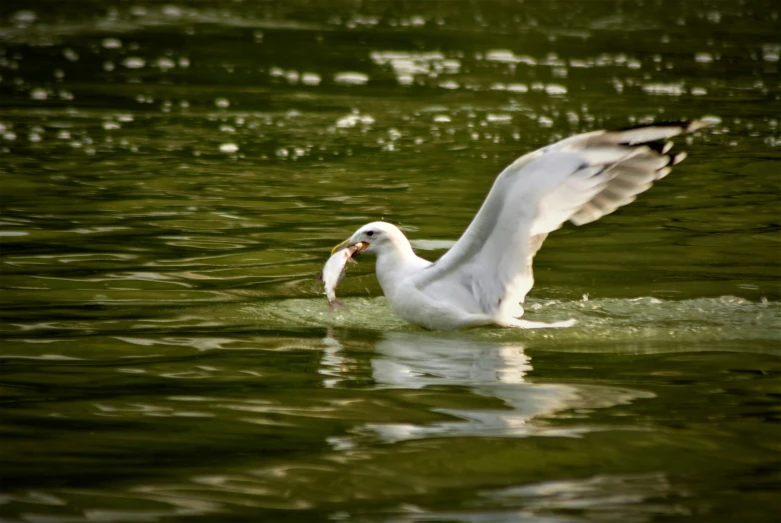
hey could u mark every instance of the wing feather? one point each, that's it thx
(579, 179)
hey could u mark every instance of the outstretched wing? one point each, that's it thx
(579, 179)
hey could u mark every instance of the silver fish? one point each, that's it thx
(334, 269)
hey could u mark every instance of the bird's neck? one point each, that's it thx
(396, 263)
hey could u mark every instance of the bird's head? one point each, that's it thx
(376, 237)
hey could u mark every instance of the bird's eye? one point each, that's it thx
(369, 233)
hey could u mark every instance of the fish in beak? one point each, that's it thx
(334, 268)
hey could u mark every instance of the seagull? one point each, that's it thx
(484, 278)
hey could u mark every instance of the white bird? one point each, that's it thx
(483, 279)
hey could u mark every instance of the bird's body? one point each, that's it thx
(484, 278)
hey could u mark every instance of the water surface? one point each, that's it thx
(174, 176)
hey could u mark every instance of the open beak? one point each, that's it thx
(359, 246)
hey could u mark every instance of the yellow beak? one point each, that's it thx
(346, 243)
(339, 247)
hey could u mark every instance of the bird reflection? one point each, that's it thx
(415, 360)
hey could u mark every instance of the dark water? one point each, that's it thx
(174, 176)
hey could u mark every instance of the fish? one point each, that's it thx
(334, 269)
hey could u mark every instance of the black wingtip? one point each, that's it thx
(657, 135)
(660, 146)
(683, 124)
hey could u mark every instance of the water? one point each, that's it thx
(174, 176)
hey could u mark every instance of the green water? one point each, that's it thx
(174, 176)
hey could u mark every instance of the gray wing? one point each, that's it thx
(579, 179)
